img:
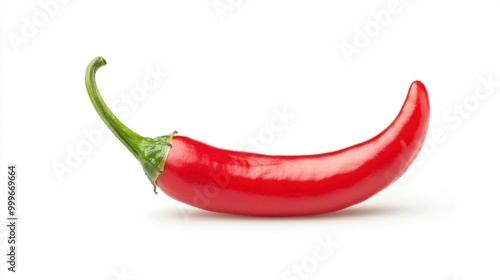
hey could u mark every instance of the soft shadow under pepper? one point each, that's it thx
(254, 184)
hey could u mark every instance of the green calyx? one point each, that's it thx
(151, 152)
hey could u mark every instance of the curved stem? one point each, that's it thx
(151, 152)
(129, 138)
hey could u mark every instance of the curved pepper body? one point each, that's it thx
(266, 185)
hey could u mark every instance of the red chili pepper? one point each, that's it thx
(263, 185)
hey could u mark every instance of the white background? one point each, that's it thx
(228, 74)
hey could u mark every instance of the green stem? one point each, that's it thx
(151, 152)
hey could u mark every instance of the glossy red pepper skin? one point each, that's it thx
(263, 185)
